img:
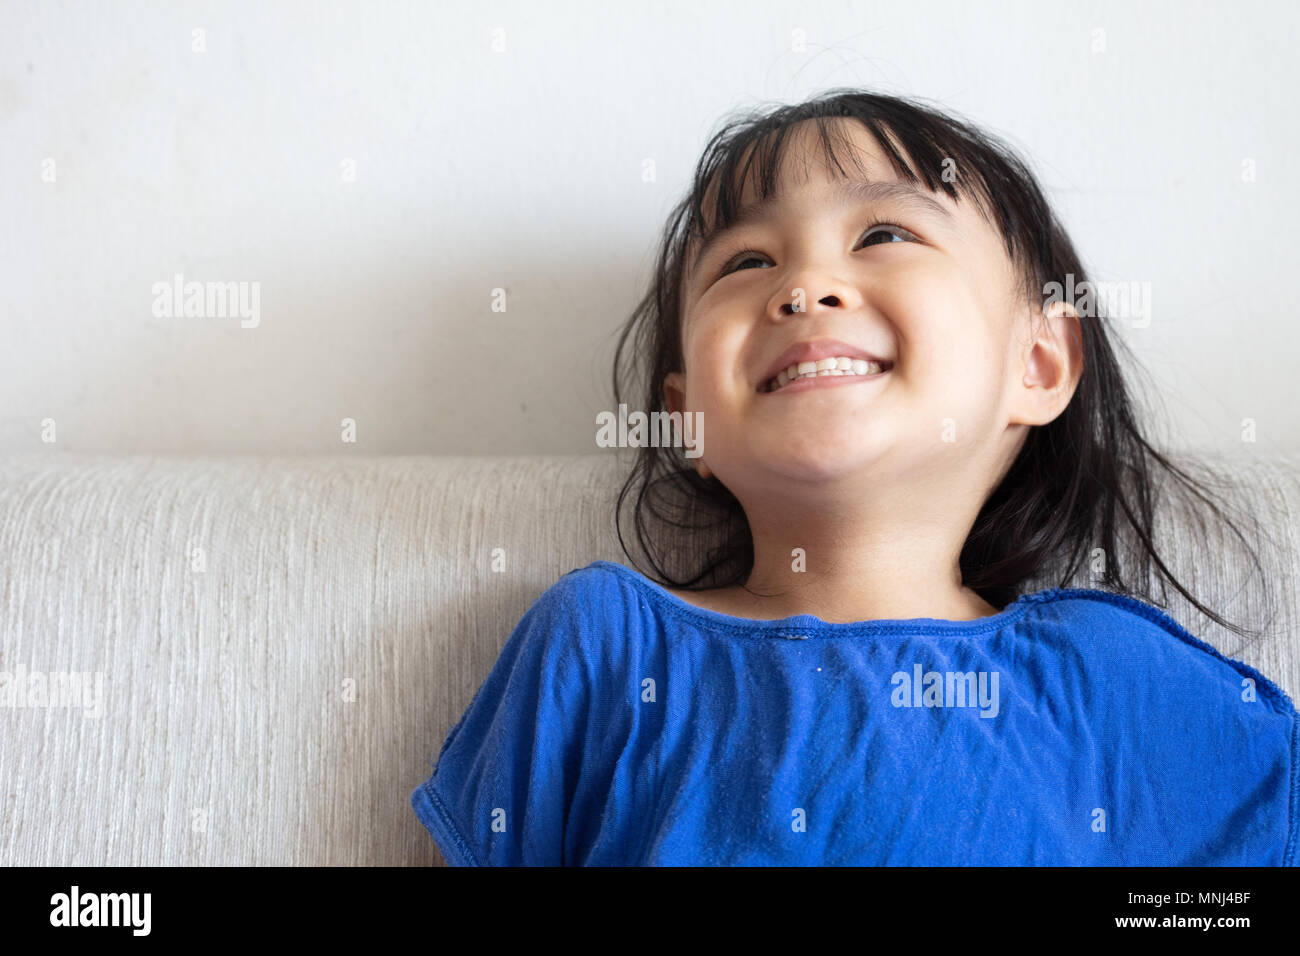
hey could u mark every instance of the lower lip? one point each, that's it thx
(826, 381)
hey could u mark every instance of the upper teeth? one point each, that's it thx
(840, 365)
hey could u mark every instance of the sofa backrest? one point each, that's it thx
(280, 645)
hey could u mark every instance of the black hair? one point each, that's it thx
(1078, 481)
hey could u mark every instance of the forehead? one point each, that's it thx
(809, 157)
(791, 160)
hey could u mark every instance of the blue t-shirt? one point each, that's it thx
(622, 725)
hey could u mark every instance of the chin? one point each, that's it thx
(826, 464)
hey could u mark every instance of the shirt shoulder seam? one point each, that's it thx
(1276, 695)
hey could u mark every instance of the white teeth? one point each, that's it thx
(840, 365)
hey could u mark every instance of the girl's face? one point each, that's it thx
(903, 274)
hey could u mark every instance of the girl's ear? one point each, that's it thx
(675, 400)
(1053, 364)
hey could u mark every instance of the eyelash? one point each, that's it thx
(732, 258)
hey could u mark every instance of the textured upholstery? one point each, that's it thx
(278, 705)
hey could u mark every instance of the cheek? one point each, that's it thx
(714, 369)
(948, 347)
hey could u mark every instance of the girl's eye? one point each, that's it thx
(881, 233)
(898, 234)
(737, 264)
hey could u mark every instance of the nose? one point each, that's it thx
(797, 303)
(829, 292)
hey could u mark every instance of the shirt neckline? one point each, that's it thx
(810, 624)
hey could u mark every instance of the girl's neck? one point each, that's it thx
(840, 601)
(895, 559)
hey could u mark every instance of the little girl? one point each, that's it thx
(901, 429)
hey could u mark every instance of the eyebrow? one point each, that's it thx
(845, 192)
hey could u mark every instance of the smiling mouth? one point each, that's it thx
(839, 367)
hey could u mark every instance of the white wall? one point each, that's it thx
(521, 169)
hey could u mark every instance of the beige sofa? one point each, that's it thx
(281, 644)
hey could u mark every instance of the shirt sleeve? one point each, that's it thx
(506, 774)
